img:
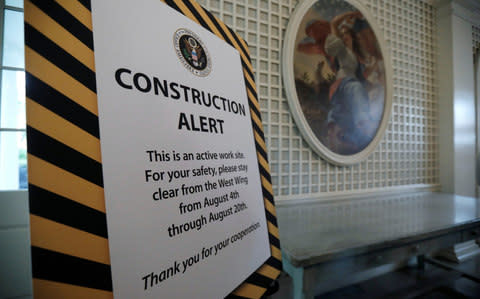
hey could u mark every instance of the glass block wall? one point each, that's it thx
(408, 152)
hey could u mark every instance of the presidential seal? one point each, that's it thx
(192, 52)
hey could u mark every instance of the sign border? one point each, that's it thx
(69, 239)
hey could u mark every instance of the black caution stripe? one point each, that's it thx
(55, 266)
(66, 20)
(275, 263)
(259, 132)
(197, 15)
(57, 153)
(265, 174)
(52, 206)
(271, 218)
(237, 39)
(254, 279)
(249, 72)
(59, 57)
(261, 151)
(254, 108)
(267, 195)
(173, 5)
(273, 240)
(259, 280)
(61, 105)
(86, 3)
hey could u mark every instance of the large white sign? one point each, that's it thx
(184, 203)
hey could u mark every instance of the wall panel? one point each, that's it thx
(408, 153)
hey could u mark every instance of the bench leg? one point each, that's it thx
(296, 273)
(421, 262)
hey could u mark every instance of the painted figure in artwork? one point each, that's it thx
(348, 84)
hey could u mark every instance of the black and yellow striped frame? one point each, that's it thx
(70, 255)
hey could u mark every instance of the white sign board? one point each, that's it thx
(183, 195)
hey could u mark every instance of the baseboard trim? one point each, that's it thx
(336, 196)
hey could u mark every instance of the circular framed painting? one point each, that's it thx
(337, 76)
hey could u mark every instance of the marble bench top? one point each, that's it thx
(317, 232)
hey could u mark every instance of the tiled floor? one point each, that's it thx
(409, 282)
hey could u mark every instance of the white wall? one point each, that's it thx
(457, 108)
(15, 262)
